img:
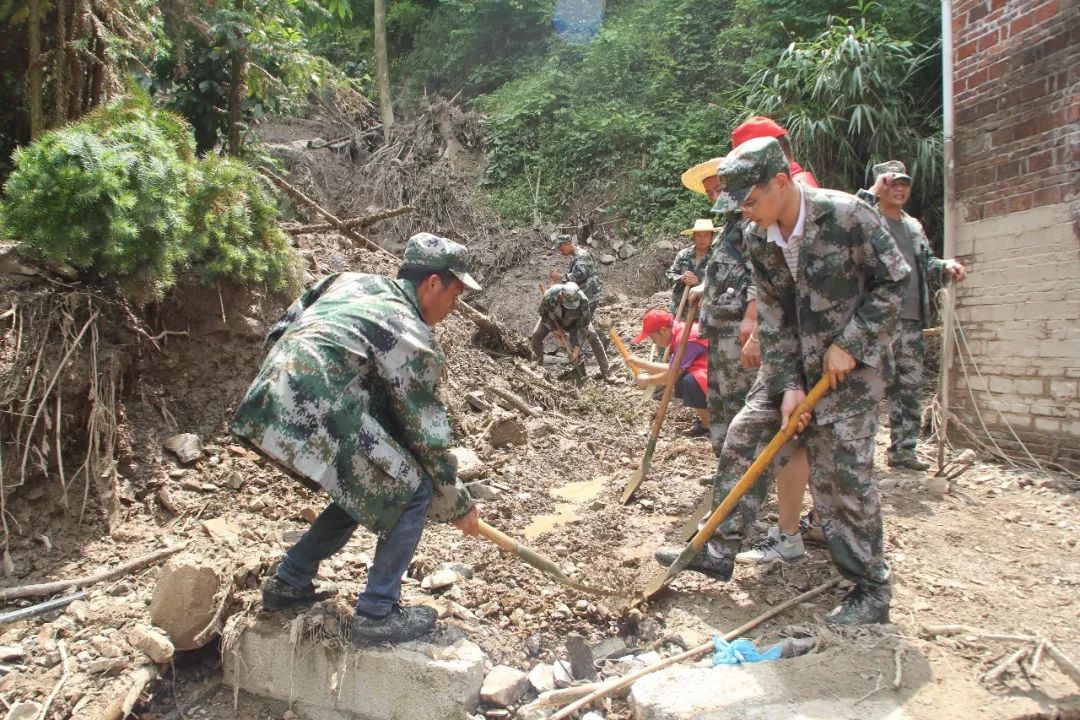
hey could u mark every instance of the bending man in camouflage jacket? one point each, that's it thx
(582, 271)
(565, 307)
(346, 400)
(829, 280)
(890, 192)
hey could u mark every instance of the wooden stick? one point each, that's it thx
(610, 687)
(51, 588)
(511, 399)
(623, 350)
(1067, 666)
(998, 670)
(122, 703)
(59, 683)
(678, 314)
(356, 222)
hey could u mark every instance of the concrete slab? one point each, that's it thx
(321, 680)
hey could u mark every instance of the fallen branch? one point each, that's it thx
(612, 686)
(512, 400)
(998, 670)
(1067, 666)
(214, 626)
(51, 588)
(356, 222)
(59, 683)
(878, 687)
(898, 661)
(124, 702)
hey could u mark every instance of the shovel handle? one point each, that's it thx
(527, 554)
(764, 459)
(621, 347)
(678, 314)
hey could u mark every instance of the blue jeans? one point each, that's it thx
(393, 553)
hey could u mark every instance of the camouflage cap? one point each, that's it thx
(751, 163)
(892, 166)
(558, 239)
(570, 295)
(428, 251)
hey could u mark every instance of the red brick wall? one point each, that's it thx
(1016, 80)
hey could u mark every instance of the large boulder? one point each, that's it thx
(184, 599)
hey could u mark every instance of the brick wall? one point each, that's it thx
(1017, 160)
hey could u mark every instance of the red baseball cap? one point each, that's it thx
(654, 320)
(756, 127)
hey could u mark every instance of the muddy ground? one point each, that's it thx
(996, 551)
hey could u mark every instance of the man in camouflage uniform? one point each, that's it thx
(829, 279)
(890, 192)
(582, 271)
(346, 401)
(688, 268)
(565, 307)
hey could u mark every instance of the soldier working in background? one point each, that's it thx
(346, 401)
(690, 386)
(890, 192)
(829, 281)
(688, 268)
(582, 271)
(565, 308)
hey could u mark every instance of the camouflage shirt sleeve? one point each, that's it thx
(934, 267)
(868, 334)
(294, 311)
(683, 261)
(411, 374)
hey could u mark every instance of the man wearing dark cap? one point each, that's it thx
(582, 271)
(829, 281)
(346, 401)
(890, 192)
(565, 308)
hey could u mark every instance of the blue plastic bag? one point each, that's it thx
(742, 650)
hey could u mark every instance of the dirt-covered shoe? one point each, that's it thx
(698, 430)
(400, 625)
(277, 595)
(774, 546)
(863, 605)
(909, 461)
(811, 531)
(718, 568)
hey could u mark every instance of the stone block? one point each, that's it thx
(322, 680)
(184, 599)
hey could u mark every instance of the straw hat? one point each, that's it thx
(701, 226)
(694, 178)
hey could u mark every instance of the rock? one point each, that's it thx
(469, 464)
(439, 579)
(592, 715)
(481, 491)
(10, 652)
(508, 430)
(78, 610)
(665, 245)
(186, 446)
(477, 401)
(627, 251)
(58, 267)
(581, 657)
(649, 629)
(542, 678)
(221, 529)
(309, 514)
(499, 714)
(687, 638)
(607, 259)
(532, 645)
(156, 646)
(184, 599)
(462, 569)
(650, 658)
(23, 711)
(105, 665)
(609, 648)
(564, 677)
(938, 485)
(504, 685)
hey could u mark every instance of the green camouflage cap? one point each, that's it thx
(558, 239)
(751, 163)
(892, 166)
(435, 253)
(570, 295)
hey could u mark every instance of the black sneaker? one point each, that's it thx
(698, 430)
(399, 625)
(863, 605)
(277, 595)
(909, 461)
(703, 562)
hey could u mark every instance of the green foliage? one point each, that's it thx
(120, 194)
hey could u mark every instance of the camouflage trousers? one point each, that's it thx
(905, 388)
(841, 457)
(541, 331)
(727, 384)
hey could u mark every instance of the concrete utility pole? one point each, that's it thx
(382, 69)
(948, 249)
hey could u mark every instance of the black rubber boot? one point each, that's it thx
(400, 625)
(863, 605)
(277, 595)
(703, 562)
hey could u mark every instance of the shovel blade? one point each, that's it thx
(661, 580)
(639, 475)
(703, 508)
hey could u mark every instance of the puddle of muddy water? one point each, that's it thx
(565, 512)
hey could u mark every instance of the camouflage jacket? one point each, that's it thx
(728, 268)
(574, 322)
(849, 290)
(684, 260)
(586, 274)
(346, 397)
(931, 269)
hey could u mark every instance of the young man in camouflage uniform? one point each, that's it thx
(565, 307)
(829, 279)
(891, 191)
(582, 271)
(346, 401)
(688, 268)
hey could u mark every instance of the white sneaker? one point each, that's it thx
(774, 546)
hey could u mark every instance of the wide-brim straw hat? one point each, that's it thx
(701, 226)
(694, 178)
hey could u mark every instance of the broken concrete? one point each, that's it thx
(184, 599)
(156, 646)
(504, 686)
(760, 691)
(508, 430)
(469, 464)
(324, 680)
(187, 447)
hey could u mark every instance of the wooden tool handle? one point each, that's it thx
(762, 462)
(527, 554)
(669, 388)
(678, 314)
(621, 347)
(498, 537)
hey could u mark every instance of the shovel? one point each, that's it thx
(621, 347)
(678, 314)
(702, 536)
(658, 421)
(537, 560)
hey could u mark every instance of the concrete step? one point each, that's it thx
(324, 679)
